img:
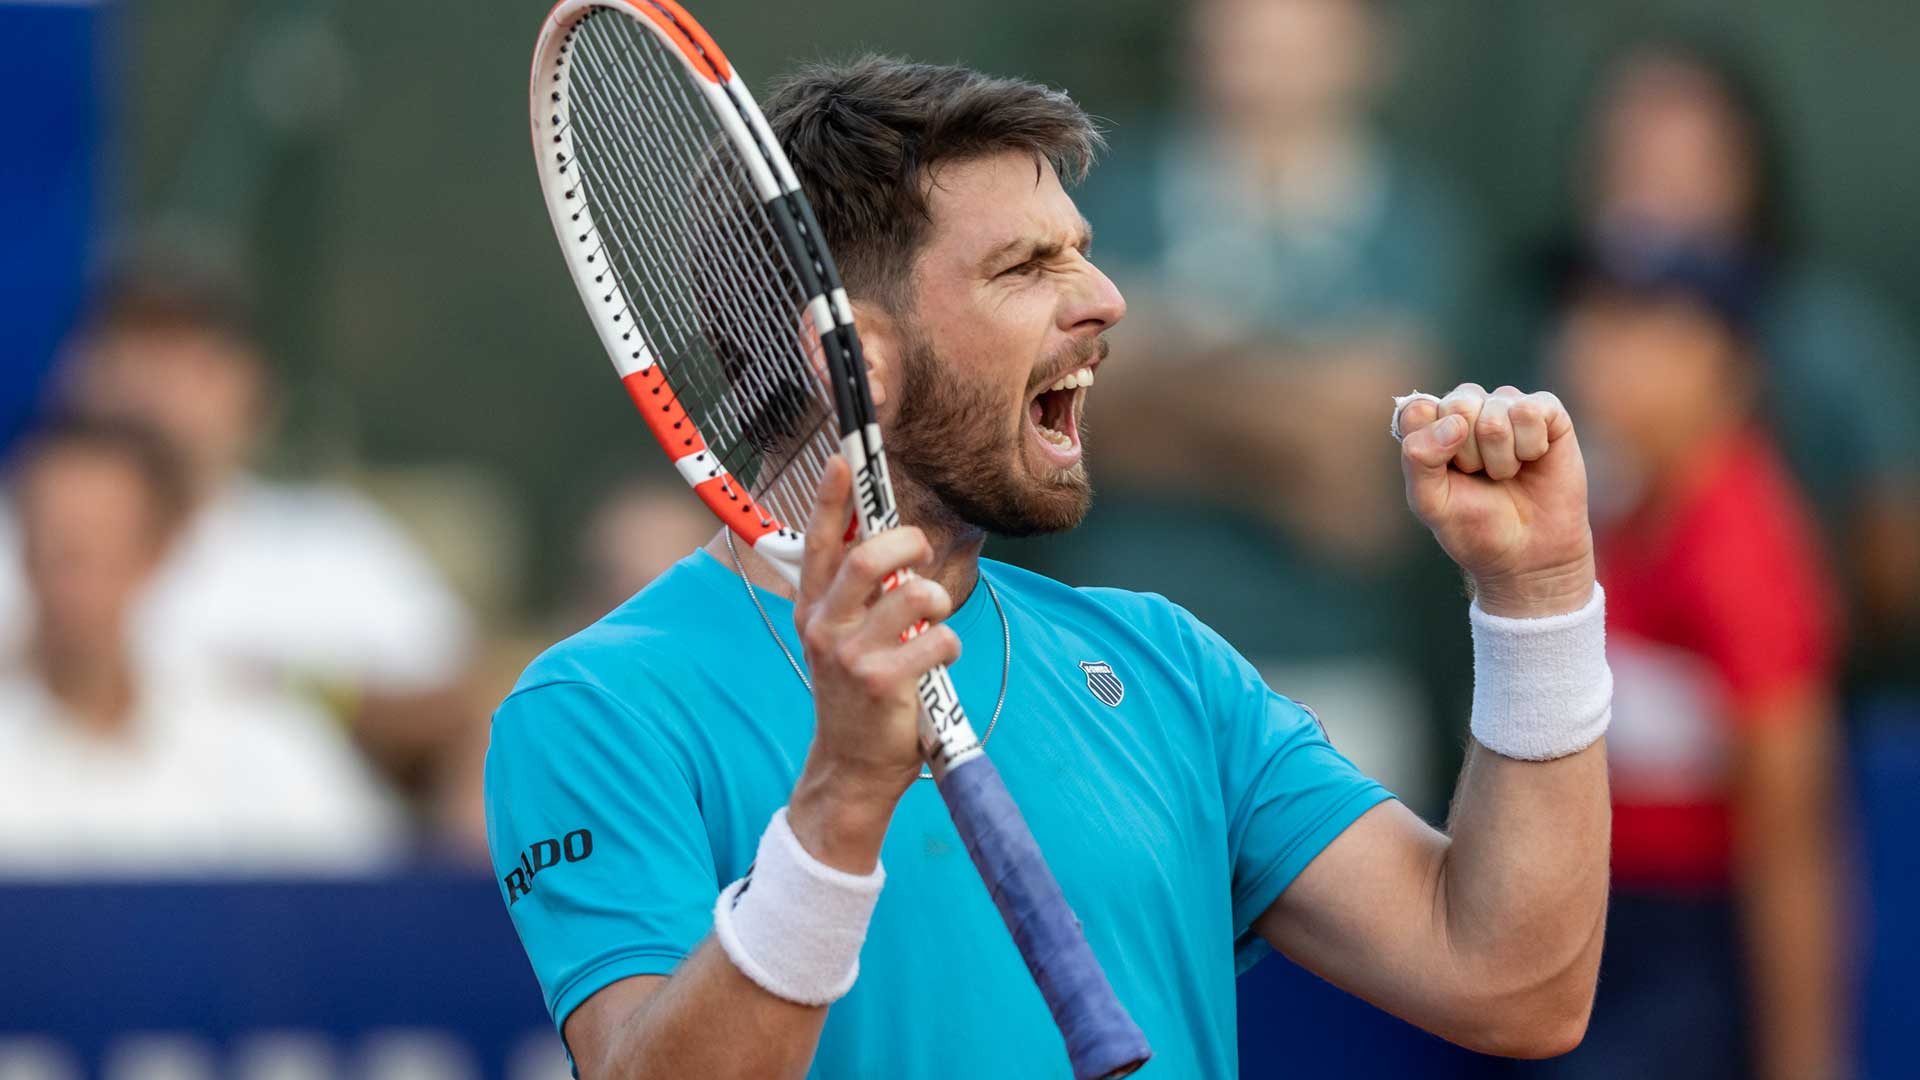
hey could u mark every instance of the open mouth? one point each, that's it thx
(1053, 416)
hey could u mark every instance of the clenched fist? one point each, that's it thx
(1499, 480)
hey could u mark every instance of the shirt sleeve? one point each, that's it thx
(597, 841)
(1286, 791)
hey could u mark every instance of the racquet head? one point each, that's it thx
(701, 266)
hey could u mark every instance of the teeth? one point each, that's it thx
(1059, 439)
(1072, 379)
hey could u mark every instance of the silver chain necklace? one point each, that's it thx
(1006, 641)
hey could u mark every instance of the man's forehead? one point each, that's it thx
(982, 204)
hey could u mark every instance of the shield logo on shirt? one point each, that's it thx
(1103, 682)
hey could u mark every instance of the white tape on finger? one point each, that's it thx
(1400, 405)
(1541, 687)
(795, 925)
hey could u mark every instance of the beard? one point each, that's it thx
(958, 459)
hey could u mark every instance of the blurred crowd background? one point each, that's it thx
(310, 451)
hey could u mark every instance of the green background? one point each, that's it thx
(368, 164)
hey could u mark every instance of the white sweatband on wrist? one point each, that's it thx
(795, 925)
(1541, 687)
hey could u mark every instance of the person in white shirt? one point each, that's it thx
(107, 767)
(277, 585)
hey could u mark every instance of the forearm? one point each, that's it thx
(708, 1020)
(1522, 885)
(1523, 880)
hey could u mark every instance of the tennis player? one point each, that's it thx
(720, 723)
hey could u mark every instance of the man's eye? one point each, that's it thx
(1027, 267)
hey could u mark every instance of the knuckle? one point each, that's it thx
(864, 562)
(948, 644)
(933, 597)
(1490, 427)
(875, 679)
(814, 637)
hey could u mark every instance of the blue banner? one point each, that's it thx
(48, 188)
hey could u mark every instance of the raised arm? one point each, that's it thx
(1488, 935)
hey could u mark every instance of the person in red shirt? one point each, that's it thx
(1724, 942)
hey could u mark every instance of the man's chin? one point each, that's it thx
(1045, 508)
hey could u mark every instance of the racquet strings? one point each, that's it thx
(689, 255)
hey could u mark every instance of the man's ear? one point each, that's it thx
(880, 342)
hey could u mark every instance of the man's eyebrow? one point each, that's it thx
(1029, 248)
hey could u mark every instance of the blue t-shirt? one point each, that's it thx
(635, 765)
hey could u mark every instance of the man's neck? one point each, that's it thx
(96, 688)
(956, 561)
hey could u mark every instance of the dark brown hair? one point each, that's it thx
(151, 457)
(865, 138)
(162, 296)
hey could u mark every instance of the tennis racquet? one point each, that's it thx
(708, 280)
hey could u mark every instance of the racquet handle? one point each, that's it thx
(1102, 1040)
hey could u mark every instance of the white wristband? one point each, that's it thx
(795, 925)
(1541, 687)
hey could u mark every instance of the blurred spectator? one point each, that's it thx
(633, 535)
(107, 765)
(1288, 272)
(1724, 942)
(1681, 144)
(271, 584)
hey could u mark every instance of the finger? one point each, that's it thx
(896, 612)
(1424, 457)
(1529, 419)
(1465, 402)
(1417, 413)
(909, 659)
(1493, 435)
(870, 563)
(826, 543)
(1559, 423)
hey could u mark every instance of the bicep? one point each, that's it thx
(1366, 913)
(593, 1031)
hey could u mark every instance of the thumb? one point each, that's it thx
(1423, 458)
